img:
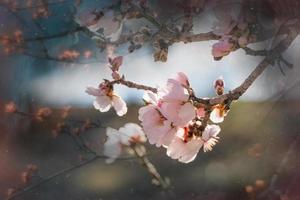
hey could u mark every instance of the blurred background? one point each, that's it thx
(259, 144)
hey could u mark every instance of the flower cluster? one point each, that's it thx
(171, 120)
(129, 134)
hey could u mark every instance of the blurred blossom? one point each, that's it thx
(10, 107)
(249, 189)
(58, 129)
(88, 54)
(65, 112)
(69, 55)
(127, 135)
(43, 113)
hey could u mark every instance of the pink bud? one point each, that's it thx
(219, 86)
(115, 63)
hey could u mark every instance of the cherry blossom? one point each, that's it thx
(186, 150)
(157, 128)
(127, 135)
(106, 98)
(166, 111)
(174, 101)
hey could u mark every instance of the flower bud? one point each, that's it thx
(115, 63)
(219, 86)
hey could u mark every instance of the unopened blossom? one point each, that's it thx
(106, 98)
(115, 62)
(222, 48)
(127, 135)
(219, 86)
(186, 150)
(218, 113)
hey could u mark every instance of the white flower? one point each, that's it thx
(106, 98)
(127, 135)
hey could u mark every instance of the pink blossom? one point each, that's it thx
(157, 128)
(127, 135)
(182, 78)
(178, 113)
(106, 98)
(222, 48)
(186, 150)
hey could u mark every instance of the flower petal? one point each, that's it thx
(93, 91)
(210, 132)
(119, 105)
(187, 113)
(185, 152)
(216, 116)
(102, 103)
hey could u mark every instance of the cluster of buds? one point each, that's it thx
(12, 43)
(41, 12)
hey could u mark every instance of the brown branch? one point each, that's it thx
(269, 59)
(131, 84)
(138, 150)
(197, 37)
